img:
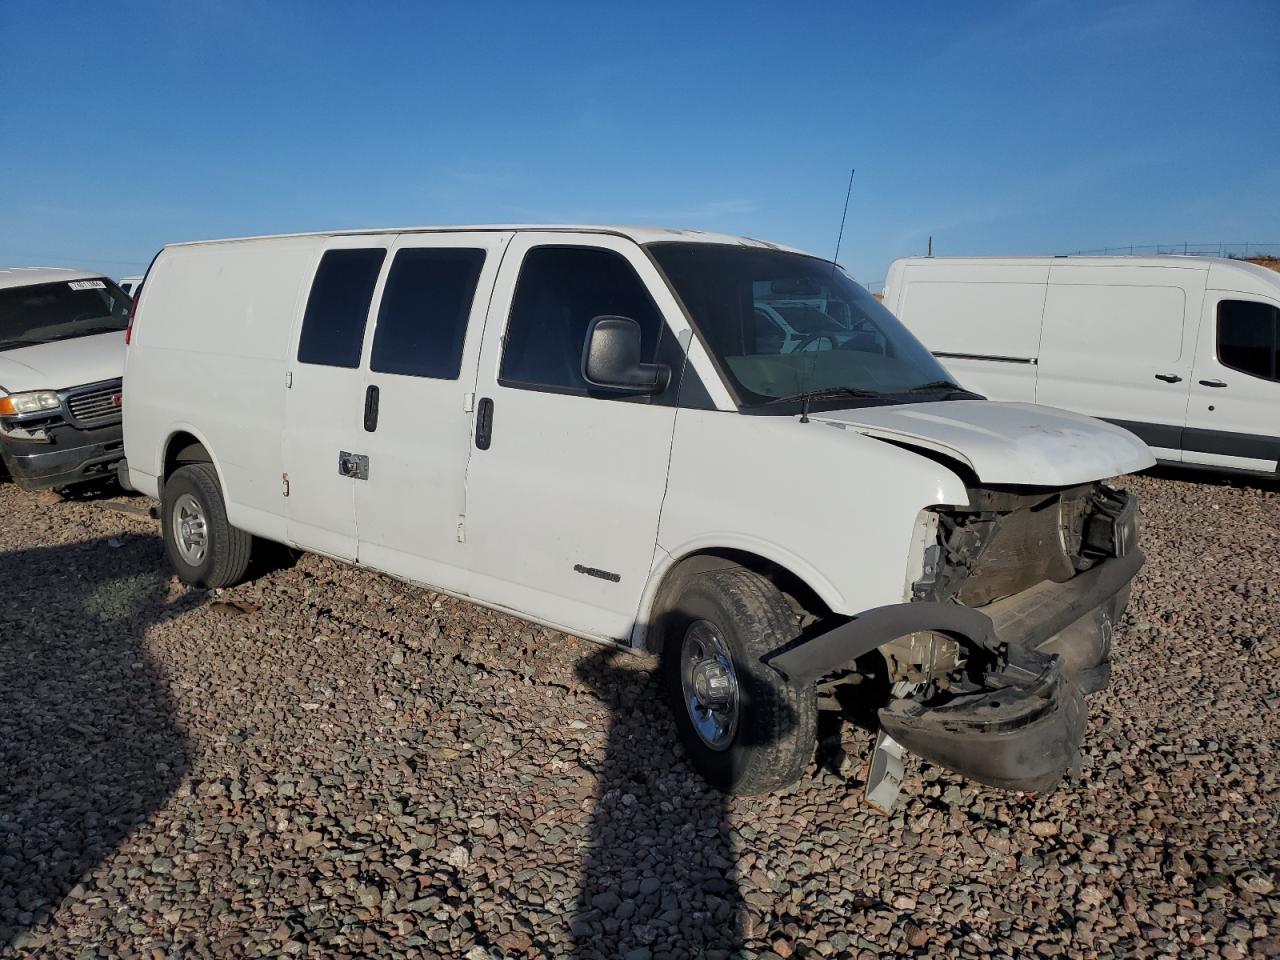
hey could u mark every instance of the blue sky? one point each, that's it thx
(1033, 127)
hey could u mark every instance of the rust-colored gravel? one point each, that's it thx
(326, 762)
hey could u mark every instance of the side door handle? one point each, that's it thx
(1212, 383)
(1169, 377)
(371, 409)
(484, 423)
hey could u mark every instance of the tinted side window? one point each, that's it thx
(423, 318)
(333, 326)
(1247, 338)
(559, 292)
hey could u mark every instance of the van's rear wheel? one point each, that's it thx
(203, 547)
(745, 727)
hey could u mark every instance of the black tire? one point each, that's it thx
(227, 551)
(776, 732)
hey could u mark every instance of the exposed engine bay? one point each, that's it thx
(1002, 544)
(1008, 625)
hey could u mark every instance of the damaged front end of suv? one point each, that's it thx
(1009, 623)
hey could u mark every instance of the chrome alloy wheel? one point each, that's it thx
(190, 529)
(709, 684)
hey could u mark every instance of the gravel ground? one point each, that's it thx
(326, 762)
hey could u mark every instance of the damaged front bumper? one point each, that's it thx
(1049, 645)
(66, 456)
(1021, 735)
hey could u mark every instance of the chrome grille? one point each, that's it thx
(95, 405)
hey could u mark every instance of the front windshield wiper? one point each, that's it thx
(951, 387)
(936, 385)
(823, 393)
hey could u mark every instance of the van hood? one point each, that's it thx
(1013, 443)
(63, 363)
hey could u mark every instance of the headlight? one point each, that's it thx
(20, 404)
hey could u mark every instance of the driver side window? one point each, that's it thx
(1249, 338)
(558, 293)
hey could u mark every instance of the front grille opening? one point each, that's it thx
(95, 406)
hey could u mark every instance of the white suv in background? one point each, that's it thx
(61, 357)
(591, 427)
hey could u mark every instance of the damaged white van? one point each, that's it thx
(609, 431)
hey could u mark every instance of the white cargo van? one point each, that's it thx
(607, 431)
(61, 357)
(1183, 351)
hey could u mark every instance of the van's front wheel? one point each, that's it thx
(745, 727)
(205, 550)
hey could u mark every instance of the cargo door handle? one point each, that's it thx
(1169, 377)
(1212, 383)
(484, 423)
(371, 409)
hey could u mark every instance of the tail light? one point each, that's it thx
(133, 312)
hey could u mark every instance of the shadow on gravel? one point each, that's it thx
(660, 876)
(88, 746)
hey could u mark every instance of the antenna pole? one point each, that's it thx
(848, 193)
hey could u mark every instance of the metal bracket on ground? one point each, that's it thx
(884, 780)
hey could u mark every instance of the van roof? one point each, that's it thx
(642, 235)
(28, 276)
(1240, 274)
(1162, 260)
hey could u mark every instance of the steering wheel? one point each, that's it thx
(814, 338)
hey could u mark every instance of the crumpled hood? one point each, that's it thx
(1014, 443)
(63, 363)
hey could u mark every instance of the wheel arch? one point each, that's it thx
(186, 445)
(811, 592)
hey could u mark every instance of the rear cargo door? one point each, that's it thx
(1118, 343)
(324, 406)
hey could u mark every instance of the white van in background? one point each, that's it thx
(609, 431)
(130, 284)
(1182, 351)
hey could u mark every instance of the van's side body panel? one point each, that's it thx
(213, 364)
(982, 320)
(753, 483)
(1118, 344)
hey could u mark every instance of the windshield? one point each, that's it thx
(59, 311)
(782, 325)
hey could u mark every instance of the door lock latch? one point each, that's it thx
(353, 465)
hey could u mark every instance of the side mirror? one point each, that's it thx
(611, 358)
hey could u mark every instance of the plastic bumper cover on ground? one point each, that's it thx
(1016, 737)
